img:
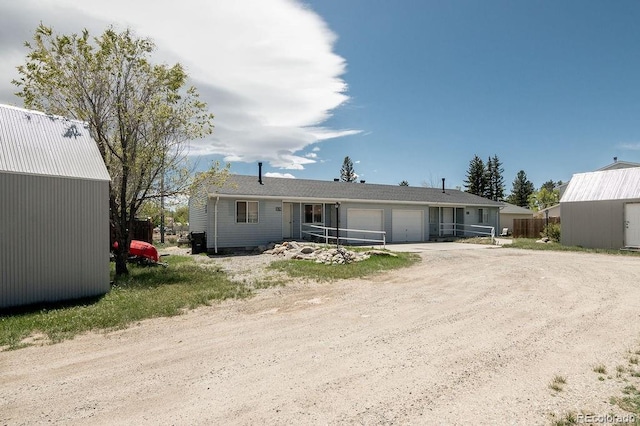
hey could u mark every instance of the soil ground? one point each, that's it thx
(469, 336)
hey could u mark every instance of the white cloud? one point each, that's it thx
(316, 149)
(266, 68)
(630, 146)
(356, 162)
(280, 175)
(311, 155)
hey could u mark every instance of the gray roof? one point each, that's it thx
(35, 143)
(620, 184)
(329, 191)
(513, 209)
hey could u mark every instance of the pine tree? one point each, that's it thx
(476, 182)
(347, 174)
(521, 190)
(404, 183)
(495, 181)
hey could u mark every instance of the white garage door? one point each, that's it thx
(406, 226)
(364, 219)
(632, 225)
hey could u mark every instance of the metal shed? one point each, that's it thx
(602, 209)
(54, 210)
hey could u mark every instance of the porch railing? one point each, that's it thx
(328, 233)
(461, 230)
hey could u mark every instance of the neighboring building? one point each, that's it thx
(602, 209)
(54, 199)
(553, 211)
(613, 166)
(250, 211)
(509, 212)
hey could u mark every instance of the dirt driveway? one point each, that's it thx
(464, 337)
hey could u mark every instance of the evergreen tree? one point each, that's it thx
(476, 182)
(494, 180)
(404, 183)
(550, 185)
(521, 190)
(347, 174)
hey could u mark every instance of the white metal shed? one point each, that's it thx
(54, 210)
(601, 209)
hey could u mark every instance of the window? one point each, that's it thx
(483, 216)
(313, 213)
(246, 212)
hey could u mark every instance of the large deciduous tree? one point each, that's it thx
(141, 114)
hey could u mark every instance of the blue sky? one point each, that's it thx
(410, 90)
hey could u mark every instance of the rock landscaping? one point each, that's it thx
(321, 254)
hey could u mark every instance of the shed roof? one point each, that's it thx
(513, 209)
(619, 184)
(35, 143)
(295, 189)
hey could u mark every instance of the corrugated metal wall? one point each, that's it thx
(54, 238)
(593, 224)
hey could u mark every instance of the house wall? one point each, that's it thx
(594, 224)
(198, 207)
(506, 220)
(54, 239)
(244, 235)
(269, 228)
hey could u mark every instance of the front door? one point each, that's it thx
(287, 220)
(632, 225)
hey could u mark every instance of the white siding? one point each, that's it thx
(54, 239)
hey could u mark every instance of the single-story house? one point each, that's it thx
(509, 212)
(54, 198)
(602, 209)
(250, 211)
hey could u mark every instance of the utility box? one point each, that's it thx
(198, 242)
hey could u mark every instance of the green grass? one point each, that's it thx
(530, 244)
(600, 369)
(322, 272)
(147, 292)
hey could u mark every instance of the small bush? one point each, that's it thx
(552, 231)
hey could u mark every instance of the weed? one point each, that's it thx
(557, 383)
(600, 369)
(633, 360)
(568, 419)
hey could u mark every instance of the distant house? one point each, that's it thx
(553, 211)
(250, 211)
(602, 209)
(54, 199)
(509, 212)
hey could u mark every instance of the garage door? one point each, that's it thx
(364, 219)
(406, 226)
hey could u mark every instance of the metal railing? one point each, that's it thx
(328, 233)
(462, 230)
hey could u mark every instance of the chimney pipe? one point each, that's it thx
(615, 159)
(443, 185)
(260, 173)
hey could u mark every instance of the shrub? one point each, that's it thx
(552, 231)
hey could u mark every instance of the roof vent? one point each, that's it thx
(362, 181)
(336, 180)
(615, 159)
(260, 173)
(443, 185)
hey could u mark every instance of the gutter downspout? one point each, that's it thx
(215, 226)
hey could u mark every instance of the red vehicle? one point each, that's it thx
(142, 253)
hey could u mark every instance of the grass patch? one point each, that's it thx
(322, 272)
(630, 401)
(530, 244)
(147, 292)
(568, 419)
(600, 369)
(558, 382)
(477, 240)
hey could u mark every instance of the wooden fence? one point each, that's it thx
(531, 228)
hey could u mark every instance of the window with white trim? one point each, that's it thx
(313, 213)
(483, 216)
(246, 212)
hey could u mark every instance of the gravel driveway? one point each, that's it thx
(464, 337)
